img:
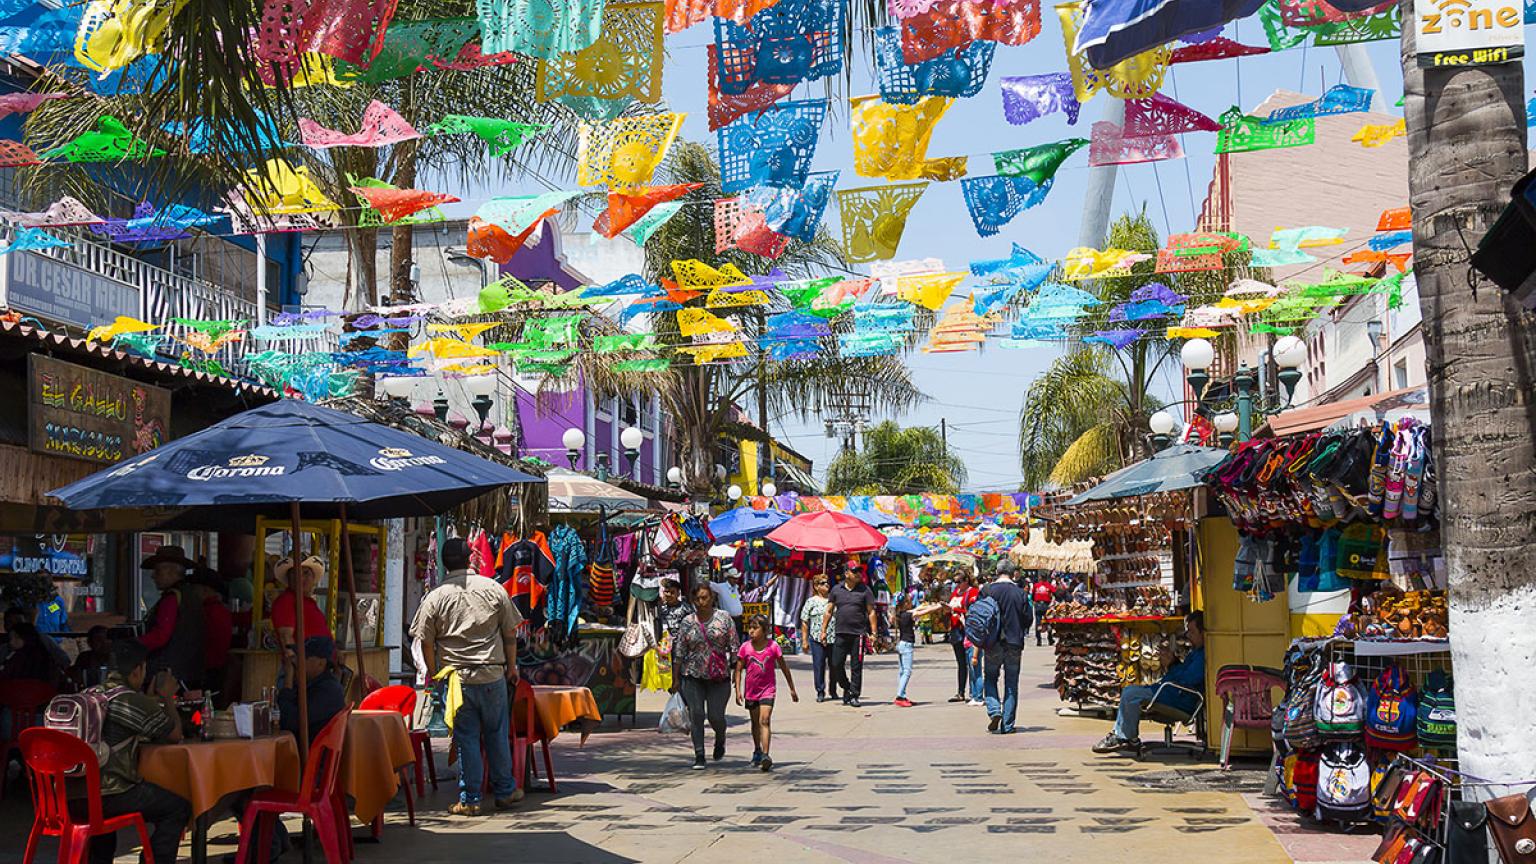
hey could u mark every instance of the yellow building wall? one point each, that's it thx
(746, 476)
(1238, 630)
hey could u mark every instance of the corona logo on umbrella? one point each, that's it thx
(249, 465)
(399, 458)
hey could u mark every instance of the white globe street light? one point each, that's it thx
(1290, 352)
(770, 490)
(1197, 354)
(733, 493)
(1226, 422)
(574, 441)
(631, 438)
(675, 476)
(1162, 423)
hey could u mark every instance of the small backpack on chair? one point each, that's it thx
(84, 715)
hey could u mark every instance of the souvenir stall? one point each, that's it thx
(1348, 517)
(1112, 632)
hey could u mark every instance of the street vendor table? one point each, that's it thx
(558, 706)
(378, 746)
(205, 772)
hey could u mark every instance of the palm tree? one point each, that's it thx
(700, 397)
(896, 461)
(1466, 147)
(1087, 415)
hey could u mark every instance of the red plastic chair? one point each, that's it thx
(25, 702)
(402, 700)
(49, 755)
(394, 699)
(1247, 701)
(525, 729)
(317, 798)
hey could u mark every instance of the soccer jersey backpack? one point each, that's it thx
(1343, 783)
(1437, 711)
(1340, 709)
(1391, 711)
(1300, 725)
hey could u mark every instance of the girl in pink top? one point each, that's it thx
(755, 662)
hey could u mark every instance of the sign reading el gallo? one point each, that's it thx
(96, 416)
(1454, 33)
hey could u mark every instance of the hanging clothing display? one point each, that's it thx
(524, 567)
(569, 560)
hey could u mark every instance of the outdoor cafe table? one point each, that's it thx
(557, 706)
(378, 746)
(205, 772)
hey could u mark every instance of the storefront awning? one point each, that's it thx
(571, 492)
(1178, 467)
(1315, 417)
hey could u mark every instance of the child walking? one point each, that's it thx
(755, 662)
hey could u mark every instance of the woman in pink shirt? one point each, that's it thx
(755, 662)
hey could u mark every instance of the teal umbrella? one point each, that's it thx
(1181, 466)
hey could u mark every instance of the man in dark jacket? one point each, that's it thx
(1014, 616)
(175, 637)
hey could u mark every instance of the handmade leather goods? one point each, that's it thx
(1467, 833)
(1513, 828)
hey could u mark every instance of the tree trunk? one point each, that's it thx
(363, 248)
(402, 238)
(1466, 146)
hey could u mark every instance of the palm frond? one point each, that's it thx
(1096, 452)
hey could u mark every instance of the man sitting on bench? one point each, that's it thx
(1188, 673)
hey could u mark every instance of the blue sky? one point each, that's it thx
(979, 394)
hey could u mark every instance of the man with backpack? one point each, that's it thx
(1188, 673)
(998, 623)
(128, 718)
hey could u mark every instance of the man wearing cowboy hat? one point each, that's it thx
(175, 637)
(284, 619)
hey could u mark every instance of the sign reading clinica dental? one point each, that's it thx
(1453, 33)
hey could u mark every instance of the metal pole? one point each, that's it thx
(261, 279)
(1100, 197)
(357, 627)
(1243, 381)
(300, 685)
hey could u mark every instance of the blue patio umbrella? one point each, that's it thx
(905, 546)
(872, 516)
(261, 461)
(1181, 466)
(745, 523)
(272, 459)
(1114, 30)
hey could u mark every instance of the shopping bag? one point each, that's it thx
(674, 718)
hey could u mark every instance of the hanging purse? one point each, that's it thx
(1467, 833)
(1514, 830)
(638, 638)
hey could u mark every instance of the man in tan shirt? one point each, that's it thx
(469, 625)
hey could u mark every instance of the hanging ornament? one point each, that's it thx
(786, 43)
(410, 46)
(1160, 115)
(625, 153)
(891, 141)
(503, 136)
(1398, 260)
(14, 154)
(651, 222)
(1136, 77)
(725, 107)
(693, 274)
(1039, 163)
(1374, 28)
(624, 63)
(175, 222)
(1314, 13)
(928, 290)
(379, 127)
(24, 103)
(1339, 99)
(739, 225)
(874, 217)
(713, 352)
(1112, 147)
(110, 141)
(63, 213)
(350, 30)
(682, 14)
(795, 212)
(1378, 134)
(867, 344)
(1242, 134)
(1031, 97)
(773, 147)
(959, 72)
(1087, 263)
(280, 188)
(393, 205)
(994, 201)
(1219, 48)
(539, 28)
(1197, 252)
(114, 33)
(33, 239)
(952, 24)
(626, 207)
(1150, 301)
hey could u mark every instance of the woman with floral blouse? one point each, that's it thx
(701, 658)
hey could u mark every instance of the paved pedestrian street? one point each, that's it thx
(876, 785)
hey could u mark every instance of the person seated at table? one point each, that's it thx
(86, 672)
(176, 623)
(468, 628)
(134, 718)
(1188, 673)
(29, 659)
(284, 621)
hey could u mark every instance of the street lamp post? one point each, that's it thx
(631, 439)
(573, 440)
(1162, 424)
(1226, 424)
(1243, 382)
(481, 387)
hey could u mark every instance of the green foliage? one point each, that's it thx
(896, 461)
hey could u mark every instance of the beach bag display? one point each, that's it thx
(1391, 711)
(666, 541)
(1304, 781)
(1343, 783)
(601, 587)
(1340, 708)
(1437, 711)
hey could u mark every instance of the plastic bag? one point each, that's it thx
(674, 718)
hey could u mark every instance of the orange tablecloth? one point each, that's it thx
(557, 706)
(203, 772)
(378, 746)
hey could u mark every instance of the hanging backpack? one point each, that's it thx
(1437, 711)
(1304, 781)
(84, 715)
(1343, 784)
(983, 624)
(1300, 727)
(1340, 708)
(1390, 711)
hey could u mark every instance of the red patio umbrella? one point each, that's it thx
(829, 532)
